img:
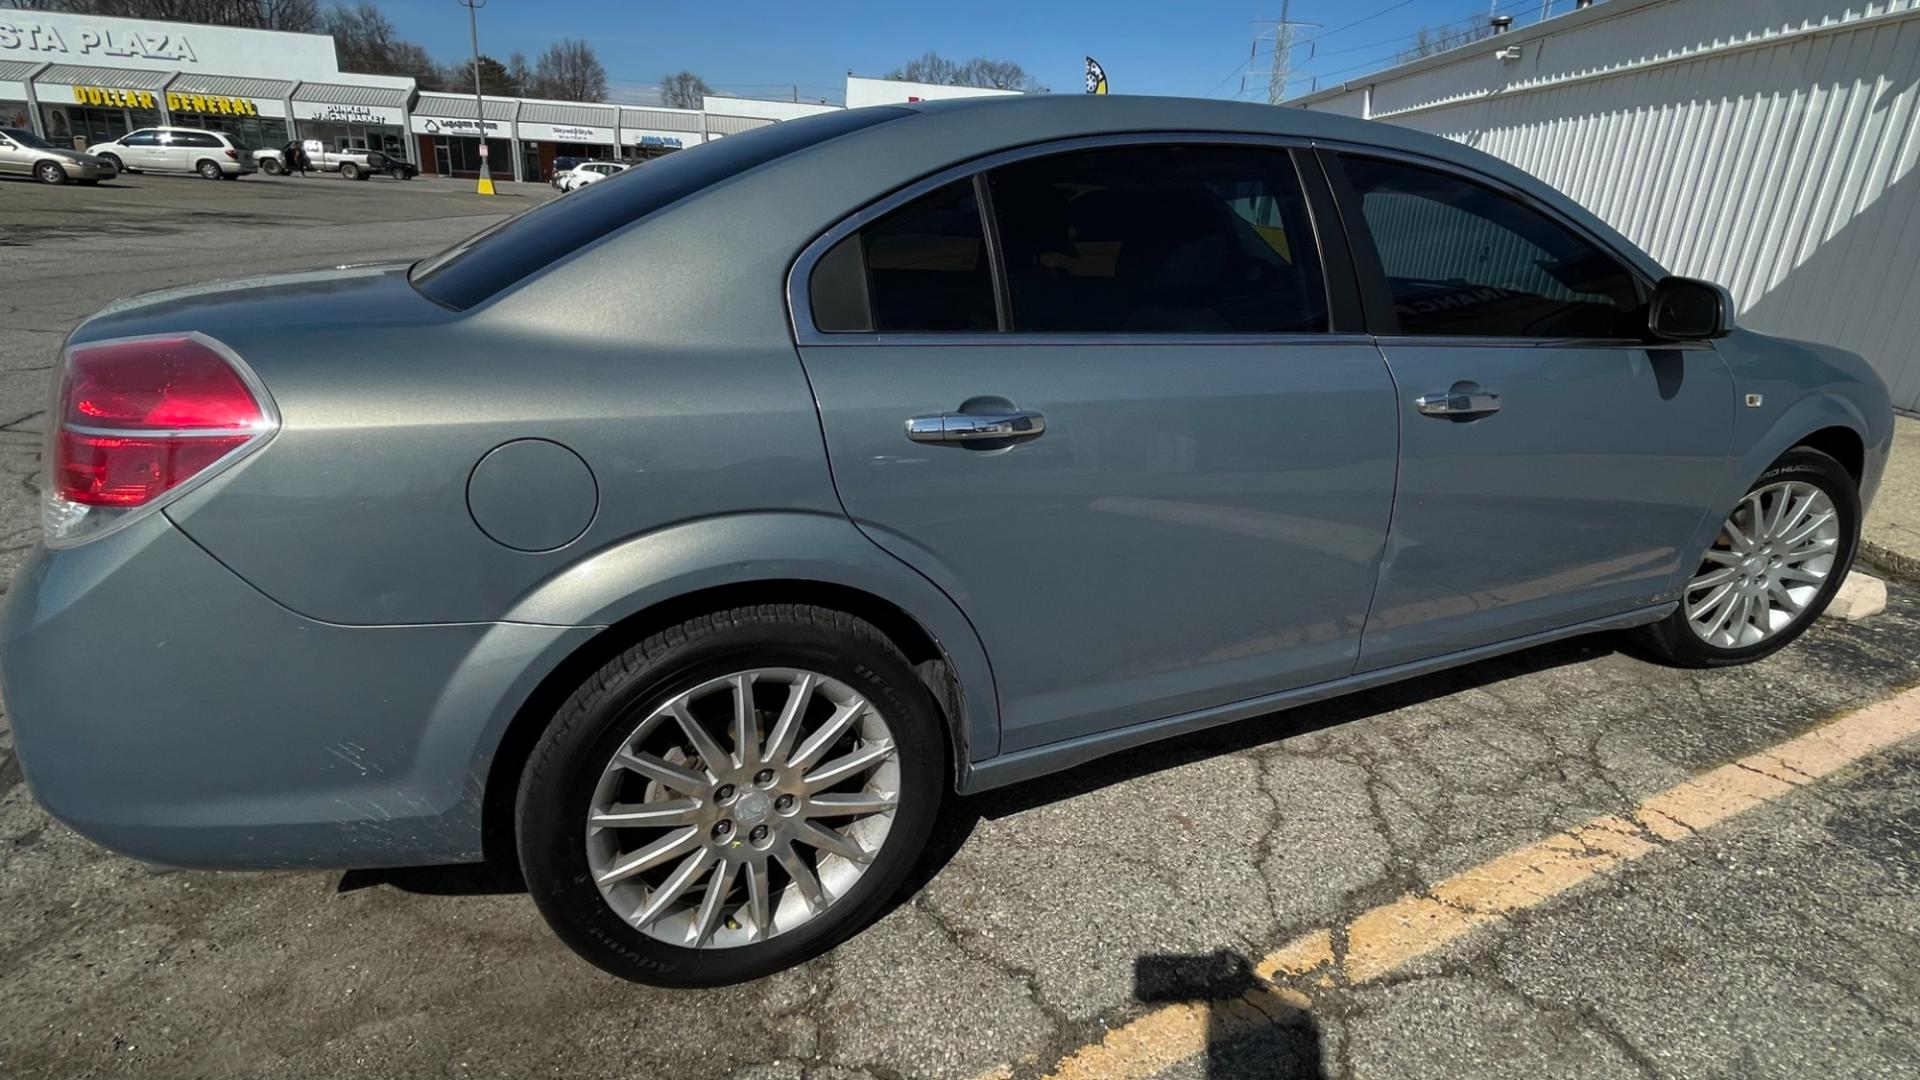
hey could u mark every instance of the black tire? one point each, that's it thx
(272, 166)
(114, 160)
(398, 174)
(350, 171)
(558, 781)
(208, 169)
(50, 172)
(1675, 641)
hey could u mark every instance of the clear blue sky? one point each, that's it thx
(1187, 47)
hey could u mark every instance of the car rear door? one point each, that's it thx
(1553, 464)
(1092, 392)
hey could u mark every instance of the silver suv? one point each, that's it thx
(212, 154)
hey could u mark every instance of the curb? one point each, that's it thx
(1889, 563)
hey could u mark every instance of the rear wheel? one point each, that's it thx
(50, 172)
(272, 166)
(731, 797)
(1780, 556)
(399, 174)
(208, 170)
(350, 171)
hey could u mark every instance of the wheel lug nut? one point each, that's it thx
(783, 804)
(758, 834)
(722, 829)
(723, 793)
(763, 777)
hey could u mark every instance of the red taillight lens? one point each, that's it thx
(233, 155)
(138, 418)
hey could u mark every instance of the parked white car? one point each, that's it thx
(588, 172)
(212, 154)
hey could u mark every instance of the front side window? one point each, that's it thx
(1194, 239)
(1463, 259)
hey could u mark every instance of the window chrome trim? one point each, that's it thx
(799, 302)
(1026, 338)
(1489, 341)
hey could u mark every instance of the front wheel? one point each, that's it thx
(399, 174)
(732, 796)
(50, 172)
(272, 166)
(114, 160)
(1775, 565)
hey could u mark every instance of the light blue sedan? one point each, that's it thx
(688, 538)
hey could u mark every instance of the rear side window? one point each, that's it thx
(1463, 259)
(1179, 239)
(922, 268)
(195, 138)
(477, 268)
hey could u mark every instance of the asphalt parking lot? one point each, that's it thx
(1551, 864)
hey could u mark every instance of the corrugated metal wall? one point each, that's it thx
(1769, 145)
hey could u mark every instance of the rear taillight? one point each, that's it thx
(232, 154)
(137, 421)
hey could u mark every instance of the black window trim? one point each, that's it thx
(1384, 327)
(1342, 291)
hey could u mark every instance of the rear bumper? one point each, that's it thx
(166, 709)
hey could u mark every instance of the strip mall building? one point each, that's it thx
(81, 79)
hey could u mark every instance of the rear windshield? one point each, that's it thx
(482, 265)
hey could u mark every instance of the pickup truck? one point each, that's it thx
(350, 164)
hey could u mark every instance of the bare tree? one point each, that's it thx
(296, 15)
(520, 71)
(683, 90)
(569, 71)
(365, 41)
(979, 71)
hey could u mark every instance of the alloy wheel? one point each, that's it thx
(1771, 559)
(51, 173)
(743, 808)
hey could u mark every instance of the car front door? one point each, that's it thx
(1553, 463)
(1093, 395)
(138, 149)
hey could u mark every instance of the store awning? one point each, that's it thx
(460, 107)
(660, 119)
(734, 125)
(387, 97)
(115, 78)
(232, 86)
(13, 77)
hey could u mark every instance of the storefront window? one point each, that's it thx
(14, 114)
(65, 123)
(462, 155)
(252, 132)
(341, 135)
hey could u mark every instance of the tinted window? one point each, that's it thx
(141, 138)
(482, 265)
(1209, 239)
(195, 138)
(1461, 258)
(926, 265)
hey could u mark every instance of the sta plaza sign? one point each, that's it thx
(45, 39)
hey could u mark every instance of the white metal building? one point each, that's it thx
(1769, 145)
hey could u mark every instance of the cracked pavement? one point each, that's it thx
(1781, 943)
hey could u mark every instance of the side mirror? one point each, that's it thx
(1687, 309)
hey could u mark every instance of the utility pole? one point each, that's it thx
(479, 103)
(1282, 66)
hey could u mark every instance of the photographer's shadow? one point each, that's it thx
(1252, 1030)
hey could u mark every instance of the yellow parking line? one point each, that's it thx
(1387, 937)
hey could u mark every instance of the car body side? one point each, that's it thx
(348, 654)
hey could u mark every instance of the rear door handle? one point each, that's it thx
(976, 427)
(1464, 399)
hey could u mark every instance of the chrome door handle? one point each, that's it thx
(1458, 401)
(976, 427)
